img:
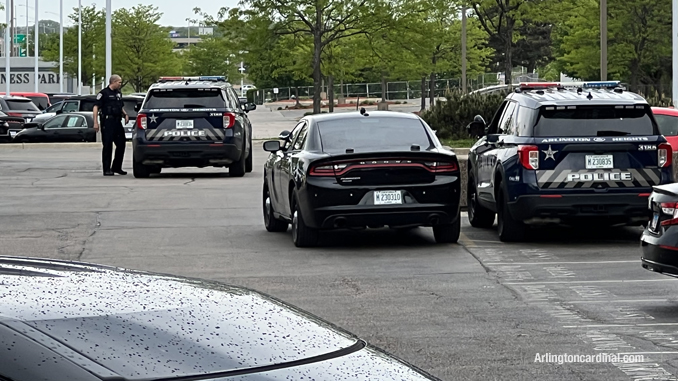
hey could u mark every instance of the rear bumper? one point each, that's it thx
(185, 154)
(621, 207)
(337, 206)
(660, 253)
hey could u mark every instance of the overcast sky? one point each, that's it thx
(174, 12)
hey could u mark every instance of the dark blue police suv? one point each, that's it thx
(192, 122)
(567, 153)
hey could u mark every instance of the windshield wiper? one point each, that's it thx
(612, 133)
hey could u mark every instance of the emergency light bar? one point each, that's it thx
(196, 78)
(564, 85)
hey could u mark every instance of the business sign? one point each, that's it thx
(29, 78)
(205, 30)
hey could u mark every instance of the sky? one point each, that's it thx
(174, 12)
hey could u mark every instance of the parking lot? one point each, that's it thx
(479, 309)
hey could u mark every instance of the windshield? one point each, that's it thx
(668, 124)
(373, 134)
(87, 105)
(594, 121)
(17, 105)
(41, 102)
(190, 98)
(129, 108)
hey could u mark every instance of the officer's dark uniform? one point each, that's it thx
(110, 106)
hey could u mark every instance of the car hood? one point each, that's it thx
(139, 324)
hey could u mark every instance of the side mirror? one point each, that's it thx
(493, 138)
(476, 129)
(59, 112)
(250, 106)
(285, 135)
(479, 119)
(272, 146)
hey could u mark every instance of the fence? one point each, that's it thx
(402, 90)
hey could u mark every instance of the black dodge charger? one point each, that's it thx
(357, 170)
(659, 241)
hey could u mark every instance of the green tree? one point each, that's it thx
(142, 50)
(93, 45)
(212, 56)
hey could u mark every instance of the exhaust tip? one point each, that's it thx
(434, 219)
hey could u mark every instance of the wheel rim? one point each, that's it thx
(500, 214)
(295, 225)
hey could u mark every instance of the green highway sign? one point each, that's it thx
(20, 39)
(22, 52)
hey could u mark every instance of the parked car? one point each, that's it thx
(41, 100)
(19, 106)
(659, 241)
(71, 127)
(10, 126)
(356, 170)
(58, 97)
(62, 320)
(667, 120)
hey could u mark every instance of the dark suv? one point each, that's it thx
(192, 122)
(552, 154)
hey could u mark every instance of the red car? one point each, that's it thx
(667, 119)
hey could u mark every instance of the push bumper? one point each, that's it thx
(604, 206)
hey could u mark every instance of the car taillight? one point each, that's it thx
(529, 156)
(664, 155)
(14, 114)
(141, 121)
(671, 209)
(229, 119)
(437, 167)
(322, 170)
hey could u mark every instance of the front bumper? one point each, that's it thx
(186, 154)
(329, 205)
(627, 207)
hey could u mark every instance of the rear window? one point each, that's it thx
(87, 105)
(668, 125)
(192, 98)
(373, 134)
(21, 106)
(594, 121)
(41, 102)
(129, 108)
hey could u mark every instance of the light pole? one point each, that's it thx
(242, 78)
(109, 58)
(61, 46)
(463, 49)
(603, 40)
(8, 62)
(37, 33)
(79, 47)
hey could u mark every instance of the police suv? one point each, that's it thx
(565, 153)
(192, 122)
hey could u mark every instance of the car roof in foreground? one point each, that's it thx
(357, 115)
(665, 111)
(125, 320)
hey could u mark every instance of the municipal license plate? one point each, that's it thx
(599, 162)
(655, 220)
(184, 124)
(13, 133)
(388, 197)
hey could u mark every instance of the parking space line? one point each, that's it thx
(621, 325)
(555, 263)
(618, 301)
(591, 281)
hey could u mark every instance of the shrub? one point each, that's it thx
(397, 102)
(451, 117)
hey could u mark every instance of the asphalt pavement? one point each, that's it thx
(477, 310)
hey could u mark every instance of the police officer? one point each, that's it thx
(110, 107)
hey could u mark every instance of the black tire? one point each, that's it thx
(478, 216)
(510, 229)
(156, 169)
(448, 233)
(272, 224)
(238, 168)
(249, 164)
(140, 171)
(302, 235)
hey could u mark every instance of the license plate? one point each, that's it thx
(13, 133)
(184, 124)
(655, 221)
(128, 135)
(388, 197)
(599, 162)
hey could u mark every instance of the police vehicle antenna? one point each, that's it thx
(589, 97)
(363, 112)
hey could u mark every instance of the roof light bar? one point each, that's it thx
(593, 85)
(195, 78)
